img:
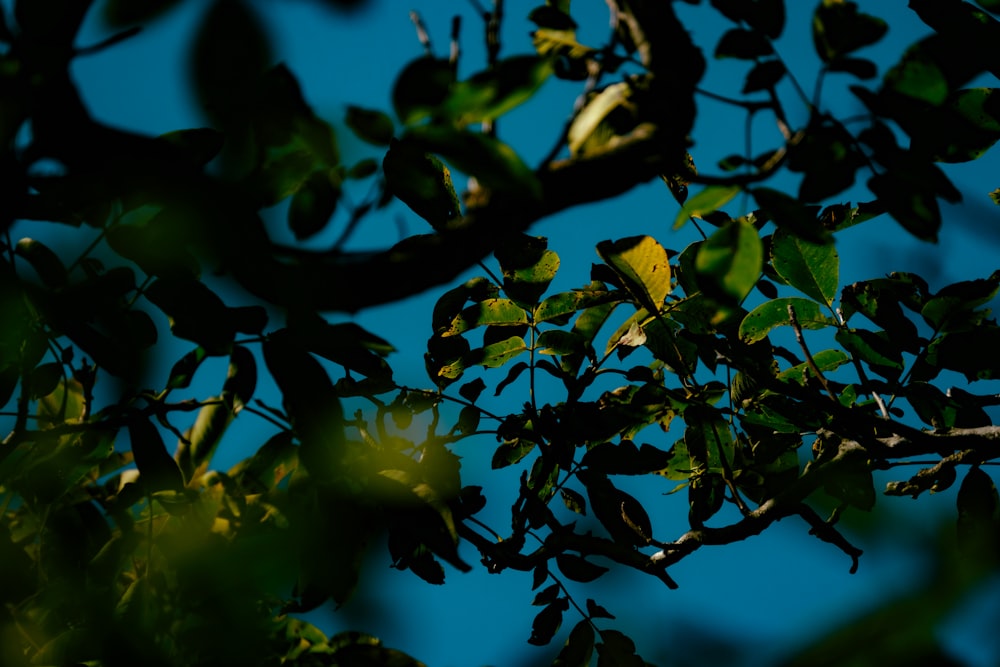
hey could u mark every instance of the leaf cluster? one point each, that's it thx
(737, 371)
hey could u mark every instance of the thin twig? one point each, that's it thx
(422, 34)
(455, 51)
(808, 355)
(865, 382)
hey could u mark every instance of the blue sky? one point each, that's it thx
(797, 586)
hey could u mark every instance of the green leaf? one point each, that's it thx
(952, 307)
(289, 141)
(510, 452)
(579, 647)
(853, 485)
(766, 16)
(241, 379)
(768, 316)
(204, 437)
(495, 165)
(370, 125)
(230, 52)
(839, 29)
(496, 354)
(314, 204)
(468, 420)
(813, 269)
(706, 493)
(990, 5)
(546, 596)
(978, 525)
(489, 312)
(471, 390)
(310, 400)
(528, 268)
(973, 353)
(421, 88)
(906, 200)
(708, 440)
(597, 109)
(919, 75)
(707, 201)
(515, 372)
(547, 622)
(276, 459)
(827, 158)
(875, 349)
(183, 371)
(790, 214)
(493, 92)
(577, 568)
(558, 342)
(422, 182)
(595, 610)
(574, 501)
(435, 525)
(345, 344)
(743, 44)
(199, 145)
(196, 313)
(965, 128)
(158, 470)
(825, 360)
(44, 379)
(617, 650)
(564, 304)
(642, 265)
(729, 262)
(764, 76)
(46, 263)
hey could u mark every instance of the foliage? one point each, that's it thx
(765, 387)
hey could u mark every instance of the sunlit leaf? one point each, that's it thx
(491, 93)
(811, 268)
(707, 201)
(528, 268)
(490, 312)
(729, 262)
(768, 316)
(642, 265)
(593, 114)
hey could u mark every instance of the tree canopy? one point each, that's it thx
(738, 371)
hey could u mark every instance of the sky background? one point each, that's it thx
(769, 594)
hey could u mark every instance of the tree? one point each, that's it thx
(739, 367)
